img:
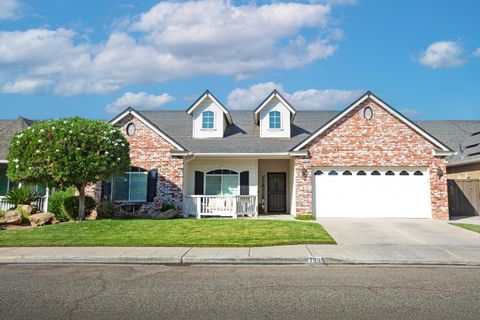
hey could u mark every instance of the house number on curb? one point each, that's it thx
(316, 260)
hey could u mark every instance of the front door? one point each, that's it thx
(277, 192)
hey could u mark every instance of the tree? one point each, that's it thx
(68, 152)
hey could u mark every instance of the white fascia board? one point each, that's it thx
(149, 125)
(282, 100)
(3, 161)
(389, 109)
(286, 155)
(441, 153)
(463, 163)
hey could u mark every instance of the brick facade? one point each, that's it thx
(382, 141)
(149, 151)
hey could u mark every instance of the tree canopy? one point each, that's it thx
(68, 152)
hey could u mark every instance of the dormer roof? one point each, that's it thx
(208, 95)
(274, 94)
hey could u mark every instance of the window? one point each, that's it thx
(404, 173)
(361, 173)
(131, 129)
(347, 173)
(222, 182)
(3, 184)
(333, 173)
(274, 120)
(318, 173)
(389, 173)
(375, 173)
(208, 120)
(131, 186)
(367, 113)
(418, 173)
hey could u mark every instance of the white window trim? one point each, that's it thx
(221, 182)
(280, 118)
(214, 126)
(129, 187)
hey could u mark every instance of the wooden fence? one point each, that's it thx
(464, 197)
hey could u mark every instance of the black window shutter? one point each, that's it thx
(152, 184)
(244, 177)
(198, 183)
(106, 190)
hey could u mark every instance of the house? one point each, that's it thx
(8, 128)
(368, 160)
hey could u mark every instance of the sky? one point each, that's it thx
(61, 58)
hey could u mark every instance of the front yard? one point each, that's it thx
(169, 233)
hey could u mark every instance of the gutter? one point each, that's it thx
(463, 162)
(178, 153)
(441, 153)
(3, 161)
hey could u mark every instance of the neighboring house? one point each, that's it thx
(365, 161)
(8, 128)
(465, 164)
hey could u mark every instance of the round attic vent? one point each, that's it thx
(131, 129)
(368, 113)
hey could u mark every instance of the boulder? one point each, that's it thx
(169, 214)
(28, 209)
(40, 219)
(13, 217)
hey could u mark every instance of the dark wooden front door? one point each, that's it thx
(277, 192)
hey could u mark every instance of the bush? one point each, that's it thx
(168, 206)
(70, 205)
(305, 216)
(106, 210)
(55, 203)
(23, 195)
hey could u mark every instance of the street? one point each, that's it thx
(238, 292)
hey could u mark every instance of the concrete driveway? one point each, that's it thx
(399, 240)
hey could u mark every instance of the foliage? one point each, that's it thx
(68, 152)
(106, 210)
(25, 215)
(305, 216)
(24, 195)
(55, 203)
(168, 206)
(70, 205)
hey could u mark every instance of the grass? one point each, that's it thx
(305, 217)
(472, 227)
(169, 233)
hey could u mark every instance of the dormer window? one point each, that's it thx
(208, 120)
(274, 120)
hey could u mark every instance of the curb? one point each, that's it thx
(325, 262)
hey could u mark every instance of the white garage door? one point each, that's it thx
(372, 192)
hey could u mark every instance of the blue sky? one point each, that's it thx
(93, 58)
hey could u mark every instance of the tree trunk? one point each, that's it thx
(81, 202)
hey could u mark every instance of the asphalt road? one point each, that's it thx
(237, 292)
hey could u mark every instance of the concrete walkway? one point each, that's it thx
(360, 241)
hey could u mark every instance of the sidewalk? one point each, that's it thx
(295, 254)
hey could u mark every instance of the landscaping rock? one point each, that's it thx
(28, 209)
(13, 217)
(169, 214)
(40, 219)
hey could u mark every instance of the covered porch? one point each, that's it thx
(238, 187)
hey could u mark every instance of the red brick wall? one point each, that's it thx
(382, 141)
(150, 151)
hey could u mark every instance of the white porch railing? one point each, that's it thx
(41, 204)
(224, 206)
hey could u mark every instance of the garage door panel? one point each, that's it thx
(372, 195)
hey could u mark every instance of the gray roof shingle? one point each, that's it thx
(8, 128)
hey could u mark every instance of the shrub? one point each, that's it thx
(70, 205)
(168, 206)
(55, 203)
(305, 216)
(106, 210)
(23, 195)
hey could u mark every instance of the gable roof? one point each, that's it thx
(208, 94)
(8, 129)
(370, 95)
(149, 124)
(469, 151)
(274, 94)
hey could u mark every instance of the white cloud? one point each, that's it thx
(141, 100)
(28, 86)
(477, 52)
(172, 40)
(310, 99)
(442, 54)
(9, 9)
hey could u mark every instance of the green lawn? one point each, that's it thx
(473, 227)
(168, 233)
